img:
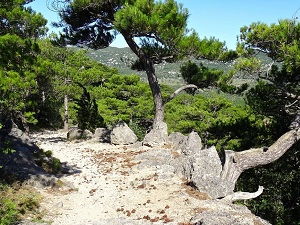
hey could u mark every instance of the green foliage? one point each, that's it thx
(21, 20)
(281, 43)
(56, 165)
(16, 202)
(263, 99)
(205, 77)
(200, 75)
(225, 84)
(8, 213)
(88, 116)
(57, 72)
(252, 66)
(218, 121)
(213, 49)
(138, 128)
(16, 82)
(123, 98)
(143, 17)
(6, 147)
(276, 95)
(47, 161)
(20, 26)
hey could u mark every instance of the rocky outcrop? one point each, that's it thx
(20, 162)
(121, 134)
(178, 140)
(202, 167)
(154, 158)
(149, 173)
(193, 144)
(226, 214)
(157, 136)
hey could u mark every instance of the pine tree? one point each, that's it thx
(20, 26)
(155, 31)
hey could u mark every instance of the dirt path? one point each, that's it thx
(105, 186)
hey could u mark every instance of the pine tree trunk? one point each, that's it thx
(156, 93)
(152, 79)
(66, 113)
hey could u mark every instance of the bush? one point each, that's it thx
(8, 213)
(16, 202)
(87, 112)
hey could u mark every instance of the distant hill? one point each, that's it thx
(167, 73)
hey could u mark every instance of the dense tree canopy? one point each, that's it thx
(280, 79)
(20, 26)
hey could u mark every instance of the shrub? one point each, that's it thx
(16, 202)
(87, 112)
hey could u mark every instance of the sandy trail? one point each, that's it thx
(105, 186)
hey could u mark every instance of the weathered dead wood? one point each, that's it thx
(237, 162)
(175, 93)
(243, 195)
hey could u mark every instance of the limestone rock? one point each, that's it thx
(193, 144)
(74, 134)
(87, 134)
(102, 135)
(20, 163)
(41, 180)
(154, 158)
(220, 217)
(206, 172)
(203, 169)
(178, 140)
(122, 135)
(157, 136)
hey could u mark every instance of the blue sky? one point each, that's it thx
(218, 18)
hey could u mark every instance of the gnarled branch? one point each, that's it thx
(237, 162)
(188, 86)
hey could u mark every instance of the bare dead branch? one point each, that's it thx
(175, 93)
(290, 105)
(237, 162)
(243, 195)
(262, 156)
(291, 95)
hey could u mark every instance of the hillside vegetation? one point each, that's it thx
(245, 104)
(168, 73)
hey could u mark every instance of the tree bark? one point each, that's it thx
(237, 162)
(152, 79)
(148, 63)
(66, 113)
